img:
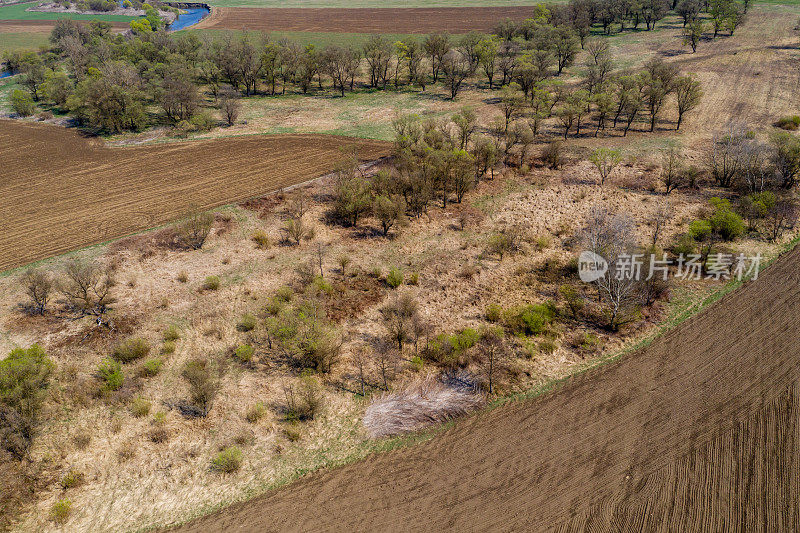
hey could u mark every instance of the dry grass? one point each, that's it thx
(132, 482)
(418, 405)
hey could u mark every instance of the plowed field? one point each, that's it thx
(700, 431)
(60, 191)
(341, 20)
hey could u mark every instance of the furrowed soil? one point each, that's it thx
(60, 191)
(697, 432)
(382, 20)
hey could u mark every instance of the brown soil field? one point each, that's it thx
(344, 20)
(44, 26)
(698, 432)
(60, 191)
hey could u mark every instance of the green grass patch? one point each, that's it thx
(374, 3)
(21, 41)
(18, 12)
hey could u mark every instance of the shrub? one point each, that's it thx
(256, 412)
(493, 312)
(194, 231)
(211, 283)
(547, 347)
(725, 221)
(22, 103)
(202, 383)
(572, 298)
(305, 402)
(38, 286)
(413, 278)
(168, 348)
(529, 319)
(685, 245)
(244, 353)
(158, 434)
(24, 378)
(292, 433)
(60, 511)
(227, 461)
(261, 239)
(450, 350)
(321, 286)
(499, 244)
(140, 407)
(203, 121)
(395, 278)
(172, 333)
(152, 367)
(110, 373)
(553, 155)
(183, 276)
(305, 335)
(131, 349)
(788, 123)
(73, 478)
(284, 294)
(246, 323)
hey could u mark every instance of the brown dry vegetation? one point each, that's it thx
(140, 473)
(699, 431)
(700, 415)
(64, 192)
(383, 20)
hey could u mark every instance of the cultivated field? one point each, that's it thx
(65, 192)
(696, 432)
(386, 20)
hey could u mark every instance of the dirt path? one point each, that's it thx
(698, 432)
(342, 20)
(60, 191)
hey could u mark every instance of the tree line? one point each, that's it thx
(110, 82)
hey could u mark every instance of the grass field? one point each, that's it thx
(371, 3)
(21, 41)
(18, 12)
(675, 436)
(76, 193)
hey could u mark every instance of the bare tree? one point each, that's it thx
(38, 286)
(612, 237)
(386, 364)
(194, 231)
(687, 96)
(361, 362)
(671, 169)
(493, 350)
(456, 69)
(659, 219)
(780, 217)
(728, 154)
(398, 319)
(229, 106)
(87, 288)
(605, 160)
